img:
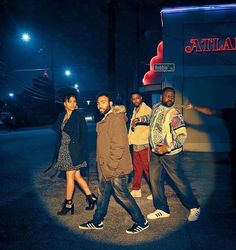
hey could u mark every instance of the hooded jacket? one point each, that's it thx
(113, 156)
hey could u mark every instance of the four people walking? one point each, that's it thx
(166, 135)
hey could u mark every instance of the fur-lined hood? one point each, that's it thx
(119, 109)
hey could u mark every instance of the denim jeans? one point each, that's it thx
(170, 165)
(118, 185)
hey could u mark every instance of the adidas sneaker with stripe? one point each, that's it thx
(91, 225)
(158, 214)
(194, 214)
(137, 228)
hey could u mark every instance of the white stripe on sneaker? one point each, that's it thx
(158, 214)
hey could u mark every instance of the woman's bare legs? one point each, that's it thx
(82, 183)
(70, 184)
(71, 177)
(90, 197)
(68, 205)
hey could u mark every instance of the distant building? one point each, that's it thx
(39, 101)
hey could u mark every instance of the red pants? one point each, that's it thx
(141, 164)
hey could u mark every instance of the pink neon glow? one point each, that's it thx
(152, 77)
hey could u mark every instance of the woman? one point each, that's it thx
(71, 152)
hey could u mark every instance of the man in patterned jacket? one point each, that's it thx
(167, 135)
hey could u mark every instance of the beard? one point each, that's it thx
(168, 104)
(104, 111)
(136, 105)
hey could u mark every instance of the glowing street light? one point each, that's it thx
(67, 72)
(11, 94)
(76, 86)
(25, 37)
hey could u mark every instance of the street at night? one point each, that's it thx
(117, 125)
(30, 200)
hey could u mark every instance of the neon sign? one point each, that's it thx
(212, 44)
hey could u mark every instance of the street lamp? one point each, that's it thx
(25, 37)
(67, 72)
(11, 94)
(76, 86)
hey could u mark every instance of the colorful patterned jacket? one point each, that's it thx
(166, 127)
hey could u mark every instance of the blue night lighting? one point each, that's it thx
(67, 72)
(196, 8)
(25, 37)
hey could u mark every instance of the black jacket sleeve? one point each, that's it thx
(82, 131)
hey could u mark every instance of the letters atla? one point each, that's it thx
(212, 44)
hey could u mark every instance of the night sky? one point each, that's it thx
(105, 44)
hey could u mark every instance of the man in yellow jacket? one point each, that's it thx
(138, 137)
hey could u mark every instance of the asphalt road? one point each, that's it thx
(30, 200)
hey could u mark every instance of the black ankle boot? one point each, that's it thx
(68, 206)
(92, 200)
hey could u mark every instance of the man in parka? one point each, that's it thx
(114, 165)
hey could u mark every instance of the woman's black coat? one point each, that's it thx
(76, 128)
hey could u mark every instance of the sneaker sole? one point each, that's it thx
(128, 232)
(160, 217)
(90, 228)
(190, 220)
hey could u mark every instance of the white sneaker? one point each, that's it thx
(136, 193)
(157, 215)
(194, 214)
(149, 197)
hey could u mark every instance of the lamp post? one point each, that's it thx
(52, 61)
(47, 91)
(26, 37)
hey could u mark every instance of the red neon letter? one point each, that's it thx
(227, 44)
(206, 44)
(194, 46)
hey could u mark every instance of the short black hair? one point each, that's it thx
(135, 92)
(167, 89)
(105, 93)
(69, 95)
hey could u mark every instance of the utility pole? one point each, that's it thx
(111, 57)
(137, 80)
